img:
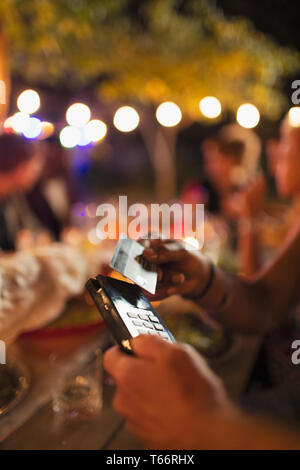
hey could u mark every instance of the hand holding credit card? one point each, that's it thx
(128, 261)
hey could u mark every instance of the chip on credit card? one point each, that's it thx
(128, 261)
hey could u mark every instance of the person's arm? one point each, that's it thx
(250, 208)
(245, 306)
(239, 431)
(170, 399)
(262, 303)
(249, 249)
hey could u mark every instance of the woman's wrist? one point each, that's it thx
(213, 295)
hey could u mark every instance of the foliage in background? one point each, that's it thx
(147, 51)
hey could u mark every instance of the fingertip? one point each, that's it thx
(140, 339)
(146, 345)
(150, 254)
(108, 354)
(138, 342)
(178, 278)
(110, 351)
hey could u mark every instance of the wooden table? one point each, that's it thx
(36, 426)
(106, 430)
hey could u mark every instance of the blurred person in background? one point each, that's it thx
(55, 182)
(270, 223)
(233, 191)
(221, 159)
(287, 170)
(272, 150)
(35, 283)
(22, 204)
(274, 228)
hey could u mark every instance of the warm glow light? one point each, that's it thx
(248, 116)
(20, 122)
(95, 130)
(8, 125)
(193, 242)
(168, 114)
(78, 115)
(28, 101)
(294, 116)
(93, 237)
(69, 136)
(34, 129)
(91, 209)
(210, 107)
(47, 130)
(126, 119)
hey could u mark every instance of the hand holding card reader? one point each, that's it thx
(126, 311)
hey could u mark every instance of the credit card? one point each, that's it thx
(128, 261)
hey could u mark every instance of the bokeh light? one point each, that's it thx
(95, 130)
(84, 140)
(93, 237)
(168, 114)
(91, 210)
(294, 116)
(7, 125)
(20, 122)
(248, 115)
(210, 107)
(78, 115)
(69, 136)
(28, 101)
(192, 242)
(34, 128)
(47, 130)
(126, 119)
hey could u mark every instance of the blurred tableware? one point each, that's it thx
(14, 384)
(78, 395)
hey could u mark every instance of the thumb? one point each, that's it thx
(149, 347)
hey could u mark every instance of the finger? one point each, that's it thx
(169, 276)
(164, 256)
(144, 431)
(113, 360)
(161, 293)
(150, 347)
(165, 281)
(174, 277)
(141, 431)
(157, 246)
(159, 274)
(121, 403)
(157, 242)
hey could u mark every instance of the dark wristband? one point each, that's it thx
(211, 277)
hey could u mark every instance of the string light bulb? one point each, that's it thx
(126, 119)
(210, 107)
(168, 114)
(78, 115)
(248, 115)
(28, 101)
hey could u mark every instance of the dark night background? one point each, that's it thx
(120, 168)
(277, 18)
